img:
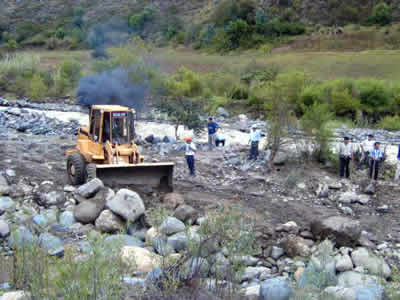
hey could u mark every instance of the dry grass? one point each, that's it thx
(383, 64)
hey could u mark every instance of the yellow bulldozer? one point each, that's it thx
(107, 150)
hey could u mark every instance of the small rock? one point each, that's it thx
(40, 220)
(173, 200)
(4, 187)
(150, 234)
(383, 209)
(348, 198)
(296, 246)
(16, 295)
(90, 188)
(322, 191)
(10, 173)
(178, 241)
(51, 198)
(276, 289)
(251, 273)
(280, 158)
(171, 225)
(6, 204)
(343, 263)
(363, 199)
(290, 227)
(67, 219)
(370, 189)
(185, 213)
(69, 189)
(108, 222)
(52, 244)
(277, 252)
(4, 229)
(127, 204)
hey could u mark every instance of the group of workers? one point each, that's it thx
(215, 139)
(371, 155)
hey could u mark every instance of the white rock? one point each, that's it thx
(109, 222)
(374, 264)
(139, 259)
(343, 263)
(16, 295)
(127, 204)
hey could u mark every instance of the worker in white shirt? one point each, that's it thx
(345, 152)
(255, 137)
(376, 157)
(367, 147)
(190, 149)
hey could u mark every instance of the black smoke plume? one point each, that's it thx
(113, 87)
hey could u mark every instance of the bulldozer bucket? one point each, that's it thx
(154, 175)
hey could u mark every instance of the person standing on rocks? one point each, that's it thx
(212, 130)
(345, 155)
(190, 150)
(376, 157)
(220, 139)
(367, 147)
(255, 137)
(397, 177)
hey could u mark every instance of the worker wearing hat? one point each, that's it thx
(346, 152)
(367, 147)
(255, 137)
(190, 150)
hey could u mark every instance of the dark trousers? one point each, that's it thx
(374, 166)
(253, 150)
(364, 160)
(217, 142)
(345, 166)
(190, 163)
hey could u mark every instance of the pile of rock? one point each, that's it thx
(35, 123)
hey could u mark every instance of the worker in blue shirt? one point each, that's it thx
(255, 137)
(397, 178)
(376, 157)
(212, 130)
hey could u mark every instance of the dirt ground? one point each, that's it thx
(264, 196)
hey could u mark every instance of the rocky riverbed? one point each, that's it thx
(295, 209)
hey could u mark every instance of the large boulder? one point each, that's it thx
(109, 222)
(127, 204)
(4, 229)
(343, 263)
(90, 188)
(374, 264)
(276, 289)
(348, 197)
(88, 211)
(296, 246)
(171, 225)
(139, 259)
(354, 279)
(173, 200)
(186, 213)
(52, 244)
(344, 231)
(4, 187)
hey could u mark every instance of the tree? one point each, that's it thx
(182, 111)
(381, 14)
(314, 122)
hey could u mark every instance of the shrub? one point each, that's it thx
(19, 64)
(231, 10)
(26, 30)
(374, 95)
(237, 31)
(314, 122)
(60, 33)
(390, 123)
(71, 70)
(11, 45)
(37, 87)
(381, 14)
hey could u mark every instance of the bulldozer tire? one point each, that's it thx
(76, 169)
(90, 172)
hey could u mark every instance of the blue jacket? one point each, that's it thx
(398, 154)
(212, 127)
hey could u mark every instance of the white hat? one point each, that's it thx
(254, 126)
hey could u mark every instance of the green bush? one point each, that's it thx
(37, 88)
(138, 21)
(231, 10)
(71, 70)
(390, 123)
(12, 45)
(26, 30)
(60, 33)
(374, 95)
(381, 14)
(19, 65)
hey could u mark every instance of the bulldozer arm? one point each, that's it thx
(154, 175)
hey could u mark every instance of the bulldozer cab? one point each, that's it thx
(113, 124)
